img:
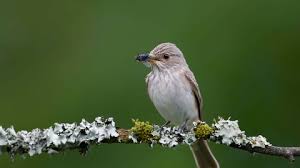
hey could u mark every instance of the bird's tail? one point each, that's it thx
(203, 156)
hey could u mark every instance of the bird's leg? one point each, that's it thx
(184, 127)
(166, 124)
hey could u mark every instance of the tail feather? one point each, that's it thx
(203, 156)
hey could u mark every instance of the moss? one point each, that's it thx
(142, 130)
(203, 130)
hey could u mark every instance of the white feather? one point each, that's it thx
(172, 96)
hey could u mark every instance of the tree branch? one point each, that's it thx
(64, 136)
(286, 152)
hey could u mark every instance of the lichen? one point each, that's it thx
(162, 135)
(142, 130)
(228, 132)
(203, 130)
(169, 136)
(259, 141)
(58, 137)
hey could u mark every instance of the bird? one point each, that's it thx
(174, 91)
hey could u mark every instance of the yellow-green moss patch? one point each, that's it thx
(142, 130)
(203, 130)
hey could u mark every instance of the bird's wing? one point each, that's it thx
(195, 89)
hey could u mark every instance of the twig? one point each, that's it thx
(287, 152)
(64, 136)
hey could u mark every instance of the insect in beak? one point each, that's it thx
(142, 57)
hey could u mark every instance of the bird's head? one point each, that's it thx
(164, 56)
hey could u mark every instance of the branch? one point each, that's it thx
(286, 152)
(64, 136)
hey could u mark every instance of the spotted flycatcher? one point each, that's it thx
(174, 92)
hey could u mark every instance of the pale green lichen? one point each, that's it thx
(142, 130)
(60, 137)
(203, 130)
(228, 132)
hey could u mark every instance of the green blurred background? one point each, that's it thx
(61, 61)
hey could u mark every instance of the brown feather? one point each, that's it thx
(195, 89)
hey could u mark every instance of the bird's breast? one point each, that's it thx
(172, 96)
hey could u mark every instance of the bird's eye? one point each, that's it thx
(166, 56)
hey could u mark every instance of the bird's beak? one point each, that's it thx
(142, 57)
